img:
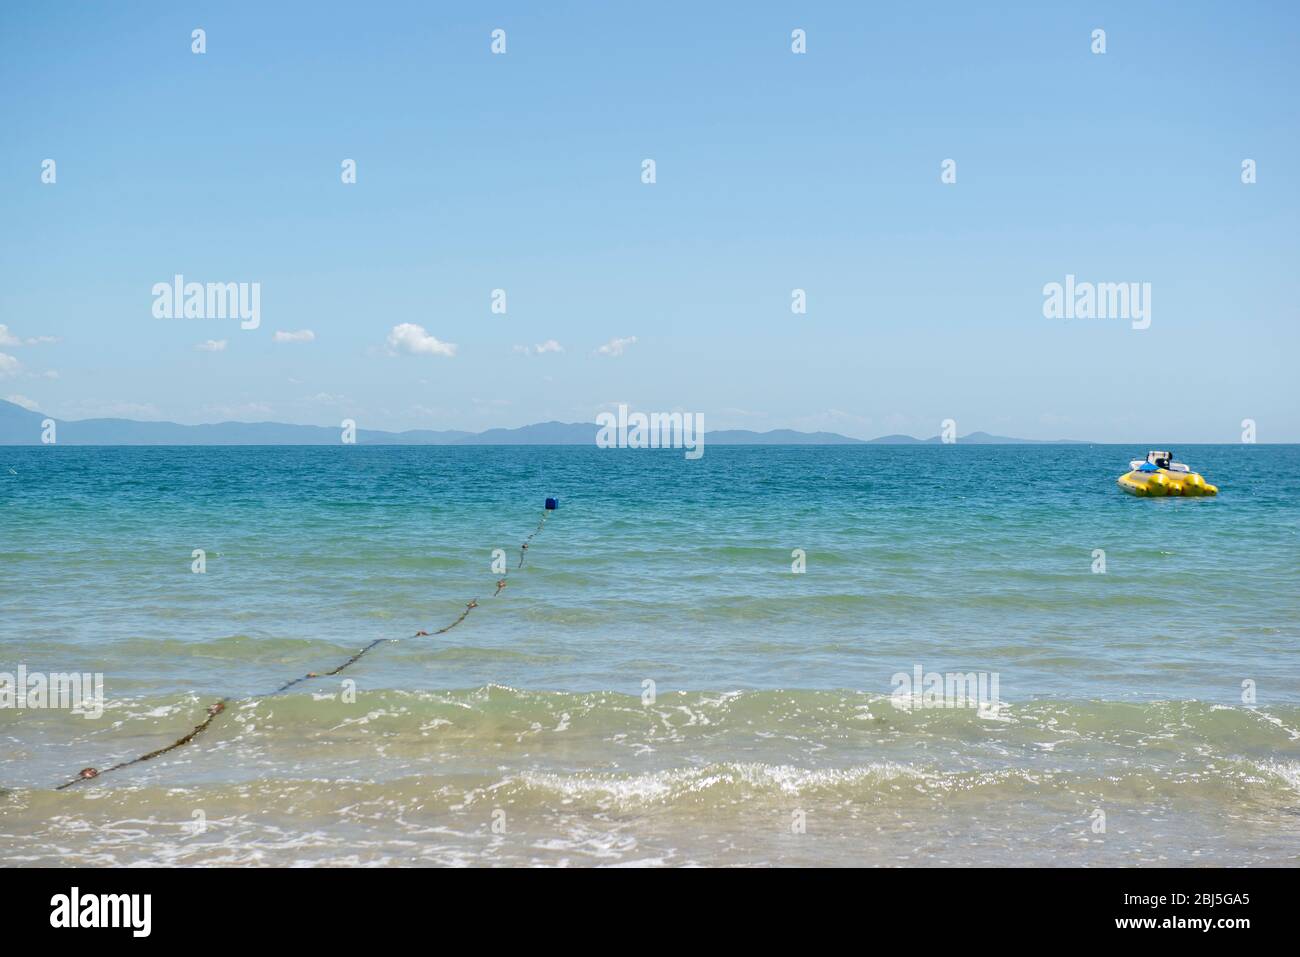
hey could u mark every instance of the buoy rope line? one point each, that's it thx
(216, 708)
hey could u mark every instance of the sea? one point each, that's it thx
(754, 658)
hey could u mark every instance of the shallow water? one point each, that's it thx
(529, 734)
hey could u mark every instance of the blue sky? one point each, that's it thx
(775, 171)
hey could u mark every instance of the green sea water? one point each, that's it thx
(656, 684)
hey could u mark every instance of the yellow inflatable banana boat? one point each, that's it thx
(1160, 475)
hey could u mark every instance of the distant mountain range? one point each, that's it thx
(20, 426)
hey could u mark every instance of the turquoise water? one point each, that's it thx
(1119, 692)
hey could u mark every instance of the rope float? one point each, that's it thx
(218, 707)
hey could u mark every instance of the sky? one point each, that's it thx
(774, 171)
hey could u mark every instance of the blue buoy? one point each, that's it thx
(552, 504)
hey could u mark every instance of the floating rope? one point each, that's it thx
(88, 773)
(523, 549)
(216, 708)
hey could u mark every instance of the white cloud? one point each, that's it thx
(212, 345)
(408, 337)
(7, 338)
(9, 365)
(616, 346)
(302, 335)
(26, 403)
(550, 345)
